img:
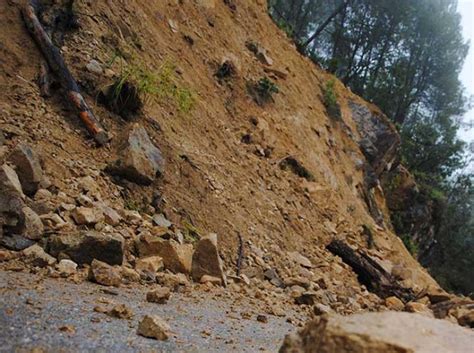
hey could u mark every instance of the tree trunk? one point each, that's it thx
(64, 76)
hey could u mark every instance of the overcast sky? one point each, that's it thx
(466, 8)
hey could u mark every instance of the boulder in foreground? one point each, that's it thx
(392, 332)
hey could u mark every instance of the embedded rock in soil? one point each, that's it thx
(176, 257)
(379, 333)
(121, 311)
(206, 259)
(300, 259)
(153, 326)
(84, 247)
(28, 167)
(139, 159)
(105, 274)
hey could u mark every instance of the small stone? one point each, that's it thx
(28, 168)
(66, 267)
(154, 327)
(307, 298)
(111, 216)
(210, 279)
(206, 259)
(262, 319)
(321, 309)
(414, 307)
(176, 282)
(36, 256)
(437, 295)
(85, 201)
(94, 67)
(161, 221)
(393, 303)
(159, 295)
(105, 274)
(87, 216)
(300, 259)
(130, 275)
(274, 278)
(151, 264)
(121, 311)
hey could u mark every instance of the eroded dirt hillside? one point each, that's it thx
(284, 175)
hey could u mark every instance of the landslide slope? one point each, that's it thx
(224, 156)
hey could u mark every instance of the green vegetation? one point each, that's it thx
(410, 244)
(405, 57)
(330, 99)
(161, 85)
(263, 90)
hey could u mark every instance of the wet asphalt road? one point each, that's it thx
(33, 309)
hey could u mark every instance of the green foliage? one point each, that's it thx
(285, 27)
(191, 233)
(263, 90)
(410, 244)
(161, 85)
(329, 94)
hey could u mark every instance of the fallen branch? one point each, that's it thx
(59, 68)
(370, 273)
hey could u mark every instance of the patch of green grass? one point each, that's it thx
(263, 90)
(160, 85)
(191, 233)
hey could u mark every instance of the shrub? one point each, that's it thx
(330, 99)
(263, 90)
(411, 246)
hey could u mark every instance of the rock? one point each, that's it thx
(419, 308)
(85, 201)
(210, 279)
(151, 264)
(140, 160)
(121, 311)
(159, 295)
(262, 318)
(104, 274)
(154, 327)
(206, 259)
(321, 309)
(28, 167)
(393, 303)
(176, 257)
(274, 278)
(66, 267)
(2, 139)
(260, 52)
(16, 242)
(307, 298)
(130, 275)
(437, 295)
(175, 282)
(36, 256)
(94, 67)
(32, 225)
(379, 333)
(161, 221)
(87, 216)
(467, 319)
(300, 259)
(86, 246)
(9, 181)
(111, 216)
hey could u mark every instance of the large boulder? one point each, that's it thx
(139, 159)
(84, 247)
(28, 167)
(206, 259)
(176, 257)
(392, 332)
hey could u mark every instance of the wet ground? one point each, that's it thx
(53, 315)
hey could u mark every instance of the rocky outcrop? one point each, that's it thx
(139, 159)
(385, 332)
(379, 140)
